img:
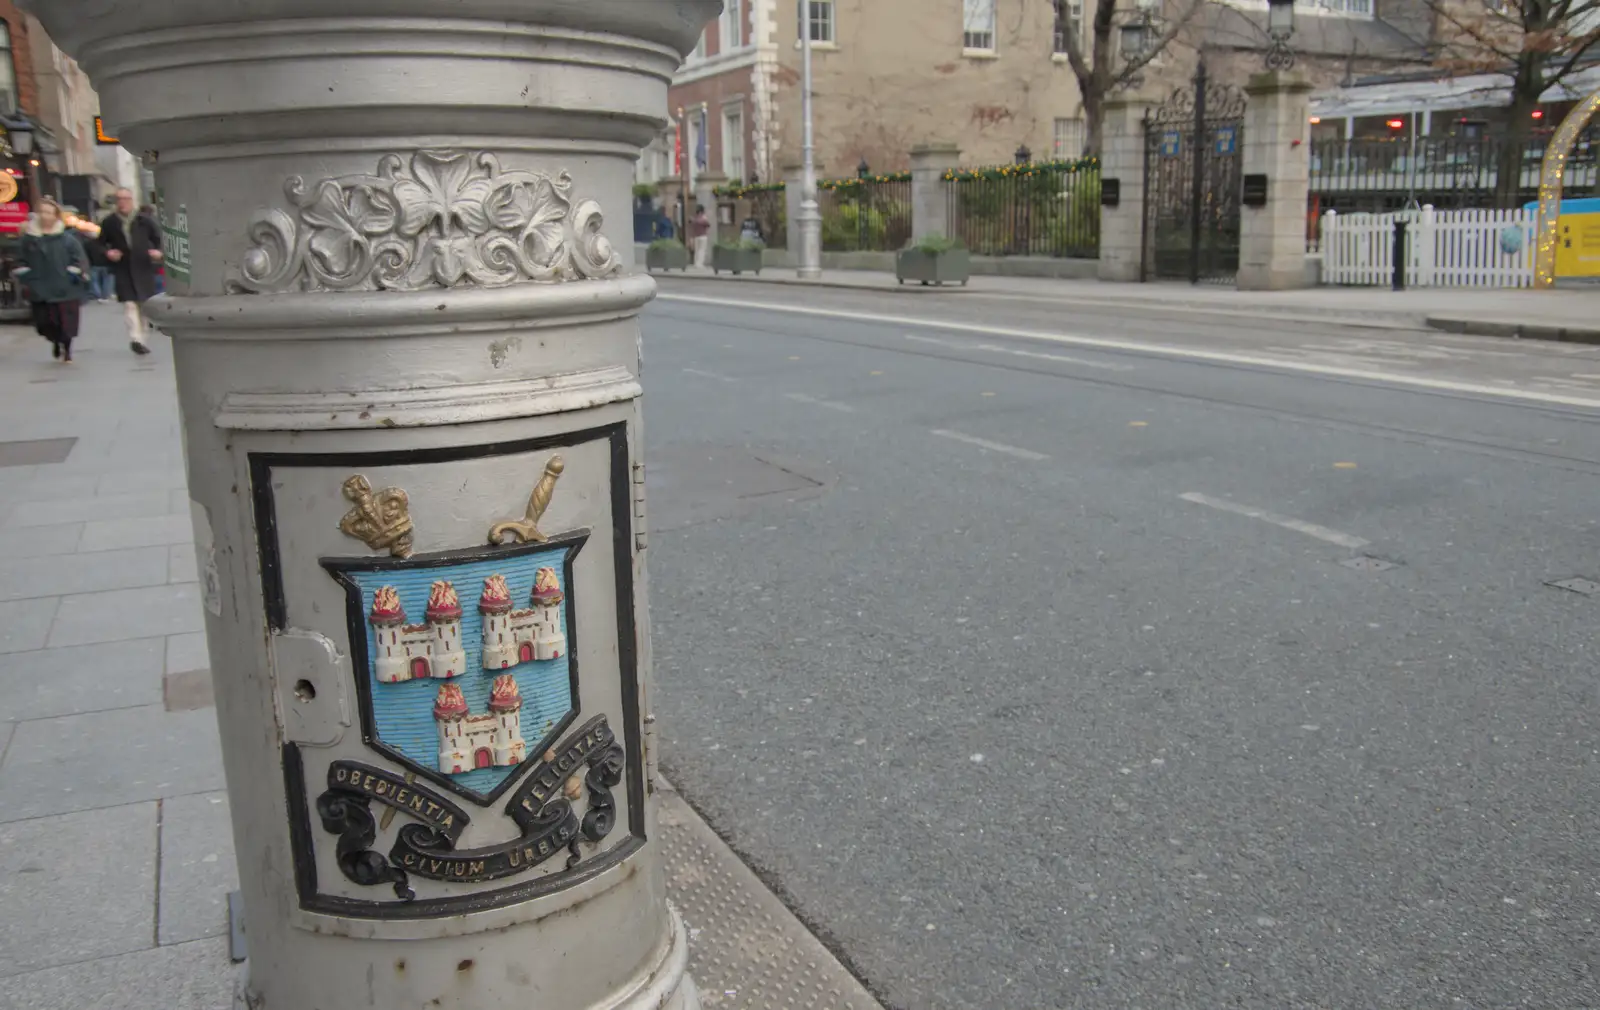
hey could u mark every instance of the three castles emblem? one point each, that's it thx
(475, 700)
(434, 649)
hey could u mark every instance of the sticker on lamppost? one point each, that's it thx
(175, 242)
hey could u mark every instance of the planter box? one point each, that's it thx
(933, 268)
(735, 261)
(673, 257)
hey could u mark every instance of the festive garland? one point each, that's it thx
(736, 190)
(1024, 171)
(850, 183)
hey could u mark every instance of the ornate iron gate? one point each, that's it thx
(1192, 176)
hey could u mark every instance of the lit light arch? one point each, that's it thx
(1551, 173)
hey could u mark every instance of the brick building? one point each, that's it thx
(46, 95)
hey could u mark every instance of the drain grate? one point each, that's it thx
(37, 450)
(1576, 584)
(1367, 564)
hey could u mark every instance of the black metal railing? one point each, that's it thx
(1047, 208)
(866, 214)
(766, 202)
(1453, 173)
(770, 209)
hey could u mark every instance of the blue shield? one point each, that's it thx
(464, 660)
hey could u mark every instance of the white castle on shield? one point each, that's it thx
(411, 651)
(491, 739)
(512, 637)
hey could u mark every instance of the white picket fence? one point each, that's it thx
(1446, 248)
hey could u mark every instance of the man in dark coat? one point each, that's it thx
(132, 243)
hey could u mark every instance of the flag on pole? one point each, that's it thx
(701, 150)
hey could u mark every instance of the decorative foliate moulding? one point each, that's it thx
(442, 219)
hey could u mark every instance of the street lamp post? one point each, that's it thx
(1021, 239)
(1280, 26)
(24, 143)
(406, 342)
(862, 171)
(810, 266)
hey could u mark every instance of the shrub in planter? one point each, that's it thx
(934, 260)
(666, 254)
(736, 257)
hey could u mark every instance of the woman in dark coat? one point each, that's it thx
(133, 249)
(56, 272)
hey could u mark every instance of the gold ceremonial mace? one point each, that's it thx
(526, 530)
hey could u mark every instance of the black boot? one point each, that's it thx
(55, 349)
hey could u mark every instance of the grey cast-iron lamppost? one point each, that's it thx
(1280, 27)
(407, 361)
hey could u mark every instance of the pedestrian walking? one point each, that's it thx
(700, 235)
(133, 249)
(55, 270)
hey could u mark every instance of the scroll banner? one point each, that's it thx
(539, 807)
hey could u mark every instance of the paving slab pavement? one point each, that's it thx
(116, 850)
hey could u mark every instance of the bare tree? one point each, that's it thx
(1536, 43)
(1095, 61)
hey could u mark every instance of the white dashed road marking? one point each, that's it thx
(843, 408)
(1298, 525)
(983, 443)
(710, 375)
(1018, 352)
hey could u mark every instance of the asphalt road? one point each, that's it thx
(1040, 674)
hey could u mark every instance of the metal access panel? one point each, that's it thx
(461, 733)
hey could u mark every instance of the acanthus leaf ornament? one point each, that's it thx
(446, 218)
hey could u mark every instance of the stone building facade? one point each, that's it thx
(986, 75)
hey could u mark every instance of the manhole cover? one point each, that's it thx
(1366, 564)
(1587, 587)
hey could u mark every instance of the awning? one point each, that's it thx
(1443, 94)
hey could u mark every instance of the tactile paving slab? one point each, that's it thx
(746, 949)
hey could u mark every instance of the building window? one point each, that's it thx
(977, 24)
(1330, 8)
(8, 72)
(732, 30)
(733, 143)
(699, 48)
(819, 15)
(1069, 138)
(1069, 23)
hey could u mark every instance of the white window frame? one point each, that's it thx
(1074, 133)
(733, 141)
(821, 17)
(1074, 26)
(1316, 8)
(978, 26)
